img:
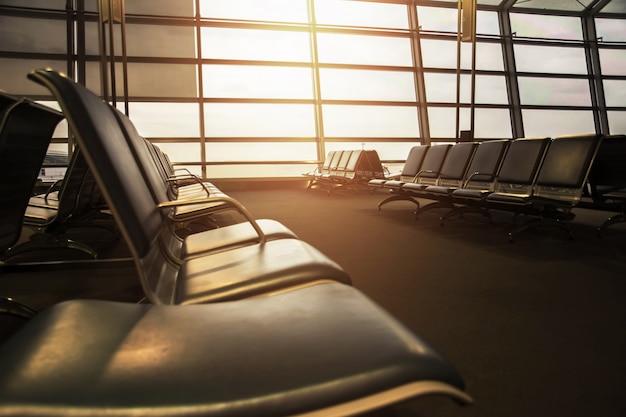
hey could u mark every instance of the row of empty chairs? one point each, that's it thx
(346, 170)
(232, 326)
(542, 178)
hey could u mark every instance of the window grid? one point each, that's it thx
(326, 75)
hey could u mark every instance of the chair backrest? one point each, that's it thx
(486, 162)
(413, 162)
(6, 101)
(454, 168)
(25, 133)
(521, 164)
(566, 166)
(100, 137)
(369, 166)
(607, 171)
(352, 164)
(431, 165)
(342, 164)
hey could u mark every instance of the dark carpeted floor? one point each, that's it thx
(535, 327)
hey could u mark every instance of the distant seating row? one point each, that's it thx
(539, 177)
(348, 169)
(238, 322)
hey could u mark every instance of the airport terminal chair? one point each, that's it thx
(516, 175)
(325, 350)
(183, 211)
(428, 174)
(606, 185)
(25, 133)
(558, 186)
(451, 176)
(480, 179)
(167, 278)
(409, 173)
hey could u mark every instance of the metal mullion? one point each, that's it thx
(596, 87)
(420, 84)
(510, 71)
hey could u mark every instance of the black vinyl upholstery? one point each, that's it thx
(283, 355)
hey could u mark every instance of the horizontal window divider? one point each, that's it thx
(216, 163)
(361, 139)
(263, 139)
(552, 107)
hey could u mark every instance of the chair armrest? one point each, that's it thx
(236, 204)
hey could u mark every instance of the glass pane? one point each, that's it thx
(385, 150)
(181, 151)
(148, 80)
(14, 73)
(363, 49)
(238, 81)
(610, 30)
(367, 85)
(161, 120)
(614, 92)
(543, 26)
(370, 121)
(492, 124)
(442, 54)
(554, 91)
(162, 41)
(38, 4)
(219, 43)
(20, 34)
(613, 61)
(259, 120)
(557, 122)
(257, 151)
(267, 10)
(252, 171)
(355, 13)
(531, 58)
(617, 121)
(440, 19)
(183, 8)
(442, 121)
(441, 88)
